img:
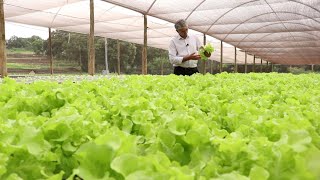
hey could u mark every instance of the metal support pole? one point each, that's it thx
(221, 57)
(3, 55)
(272, 66)
(118, 58)
(254, 64)
(106, 54)
(245, 63)
(80, 58)
(261, 66)
(312, 67)
(161, 66)
(203, 61)
(235, 60)
(91, 63)
(50, 52)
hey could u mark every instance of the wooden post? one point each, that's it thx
(203, 62)
(145, 43)
(272, 66)
(118, 57)
(3, 55)
(312, 67)
(50, 52)
(221, 56)
(267, 66)
(254, 64)
(261, 66)
(235, 60)
(245, 62)
(91, 63)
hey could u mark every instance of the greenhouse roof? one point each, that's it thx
(279, 31)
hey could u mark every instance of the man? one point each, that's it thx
(183, 50)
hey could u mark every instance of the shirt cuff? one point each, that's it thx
(179, 60)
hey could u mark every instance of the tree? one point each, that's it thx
(127, 56)
(156, 59)
(17, 42)
(73, 47)
(160, 66)
(36, 43)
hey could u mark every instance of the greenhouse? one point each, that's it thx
(238, 118)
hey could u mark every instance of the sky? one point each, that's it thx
(25, 31)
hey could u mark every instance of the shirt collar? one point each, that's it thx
(180, 38)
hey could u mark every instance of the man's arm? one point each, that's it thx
(174, 59)
(192, 56)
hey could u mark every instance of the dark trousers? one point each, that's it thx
(185, 71)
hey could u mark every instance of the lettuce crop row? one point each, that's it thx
(226, 126)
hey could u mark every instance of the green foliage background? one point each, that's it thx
(72, 47)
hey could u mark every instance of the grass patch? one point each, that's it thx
(19, 51)
(56, 64)
(65, 64)
(26, 66)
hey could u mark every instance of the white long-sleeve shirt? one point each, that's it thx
(180, 47)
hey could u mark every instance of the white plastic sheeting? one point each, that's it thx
(279, 31)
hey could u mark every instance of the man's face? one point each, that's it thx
(183, 32)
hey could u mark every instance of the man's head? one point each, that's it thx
(182, 28)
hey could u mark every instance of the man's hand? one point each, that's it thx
(192, 56)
